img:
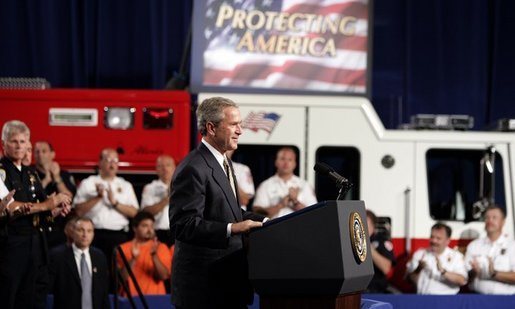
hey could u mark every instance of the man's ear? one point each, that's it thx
(211, 128)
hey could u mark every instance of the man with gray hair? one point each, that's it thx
(23, 251)
(209, 264)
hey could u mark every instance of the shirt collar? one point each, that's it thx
(78, 252)
(218, 156)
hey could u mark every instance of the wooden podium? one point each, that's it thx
(318, 257)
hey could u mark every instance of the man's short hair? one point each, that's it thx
(212, 110)
(502, 210)
(286, 148)
(46, 142)
(140, 216)
(85, 219)
(440, 225)
(12, 127)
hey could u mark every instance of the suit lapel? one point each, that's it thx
(72, 265)
(221, 179)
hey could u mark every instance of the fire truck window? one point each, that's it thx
(346, 162)
(453, 178)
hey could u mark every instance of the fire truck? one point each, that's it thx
(139, 124)
(410, 178)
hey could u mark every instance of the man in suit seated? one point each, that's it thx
(78, 273)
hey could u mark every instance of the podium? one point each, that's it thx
(318, 257)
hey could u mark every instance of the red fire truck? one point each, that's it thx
(139, 124)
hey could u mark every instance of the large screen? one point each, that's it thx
(280, 46)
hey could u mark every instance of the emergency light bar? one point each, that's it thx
(506, 125)
(441, 122)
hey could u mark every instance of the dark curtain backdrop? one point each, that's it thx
(433, 56)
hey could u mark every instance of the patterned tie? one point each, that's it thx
(228, 172)
(85, 278)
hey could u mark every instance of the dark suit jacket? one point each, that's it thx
(65, 280)
(209, 269)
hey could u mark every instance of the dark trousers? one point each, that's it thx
(23, 271)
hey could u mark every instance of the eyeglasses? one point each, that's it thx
(112, 160)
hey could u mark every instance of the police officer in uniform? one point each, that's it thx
(23, 251)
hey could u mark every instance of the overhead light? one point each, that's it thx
(441, 122)
(119, 118)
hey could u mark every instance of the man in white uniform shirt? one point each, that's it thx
(438, 269)
(109, 201)
(491, 258)
(155, 198)
(284, 192)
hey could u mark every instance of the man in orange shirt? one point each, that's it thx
(149, 260)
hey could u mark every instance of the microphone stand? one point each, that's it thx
(344, 188)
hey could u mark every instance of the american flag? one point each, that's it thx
(346, 72)
(261, 121)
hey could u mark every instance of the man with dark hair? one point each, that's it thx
(79, 273)
(209, 264)
(491, 258)
(149, 260)
(54, 180)
(382, 255)
(438, 269)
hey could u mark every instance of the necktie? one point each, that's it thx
(85, 278)
(228, 172)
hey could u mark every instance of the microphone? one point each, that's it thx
(325, 169)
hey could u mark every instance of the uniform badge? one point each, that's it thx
(119, 190)
(32, 178)
(358, 237)
(3, 175)
(503, 251)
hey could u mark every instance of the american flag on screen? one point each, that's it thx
(261, 121)
(344, 71)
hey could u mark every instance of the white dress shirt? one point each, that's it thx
(103, 215)
(430, 280)
(77, 253)
(271, 191)
(502, 252)
(154, 193)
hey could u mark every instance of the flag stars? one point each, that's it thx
(207, 33)
(210, 13)
(267, 3)
(234, 39)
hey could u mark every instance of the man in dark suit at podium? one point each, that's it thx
(209, 263)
